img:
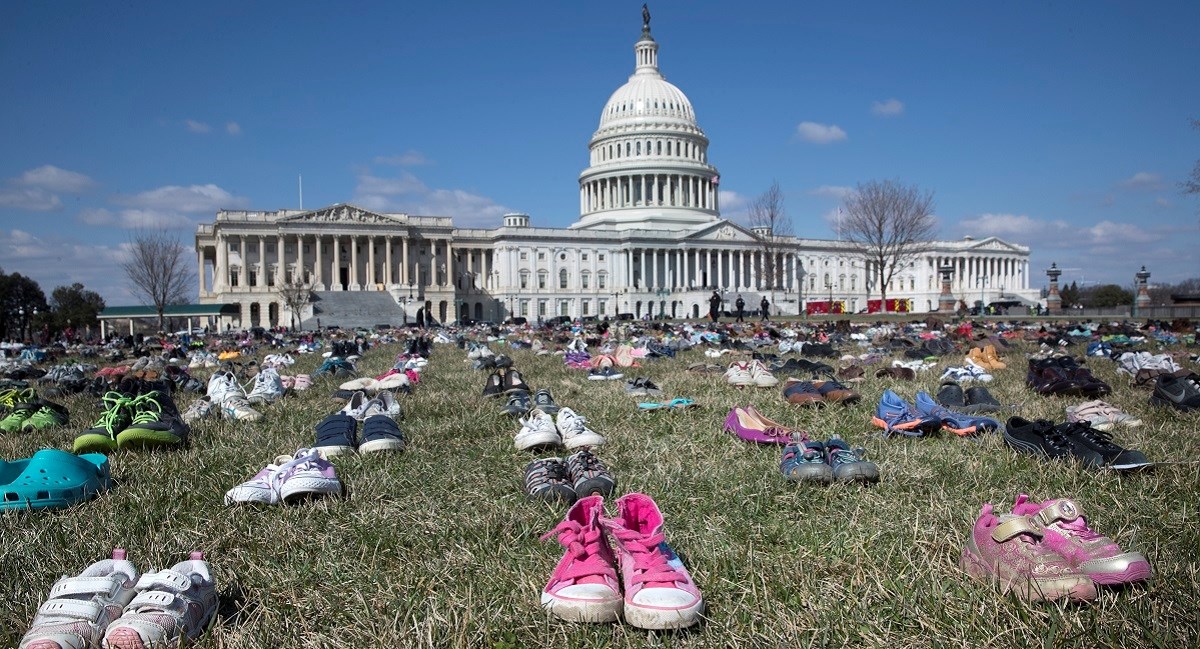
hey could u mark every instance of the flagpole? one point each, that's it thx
(301, 178)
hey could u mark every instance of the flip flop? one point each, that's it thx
(681, 404)
(52, 479)
(650, 405)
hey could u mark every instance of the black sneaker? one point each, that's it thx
(606, 373)
(1041, 437)
(548, 479)
(517, 405)
(589, 476)
(980, 401)
(1180, 392)
(950, 395)
(156, 422)
(545, 402)
(381, 433)
(1100, 442)
(494, 386)
(502, 361)
(336, 434)
(513, 382)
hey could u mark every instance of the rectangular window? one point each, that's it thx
(562, 280)
(564, 307)
(307, 249)
(584, 305)
(525, 308)
(252, 278)
(233, 277)
(541, 281)
(541, 308)
(601, 256)
(524, 255)
(601, 307)
(541, 256)
(601, 280)
(524, 281)
(585, 256)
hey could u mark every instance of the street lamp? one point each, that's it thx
(21, 317)
(800, 275)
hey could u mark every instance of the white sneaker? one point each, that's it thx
(574, 430)
(356, 405)
(267, 387)
(537, 430)
(761, 376)
(222, 385)
(739, 374)
(978, 373)
(310, 474)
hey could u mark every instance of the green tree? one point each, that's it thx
(1109, 295)
(1192, 184)
(21, 300)
(75, 306)
(1069, 295)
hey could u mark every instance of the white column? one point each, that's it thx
(388, 277)
(299, 259)
(221, 265)
(720, 269)
(200, 269)
(242, 268)
(354, 284)
(318, 266)
(336, 269)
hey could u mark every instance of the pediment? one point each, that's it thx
(343, 214)
(722, 232)
(995, 244)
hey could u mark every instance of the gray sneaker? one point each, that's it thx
(589, 476)
(548, 479)
(517, 405)
(849, 465)
(804, 461)
(543, 400)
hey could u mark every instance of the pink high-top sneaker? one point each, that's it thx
(1065, 529)
(659, 592)
(583, 586)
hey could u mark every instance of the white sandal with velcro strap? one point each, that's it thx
(78, 609)
(170, 604)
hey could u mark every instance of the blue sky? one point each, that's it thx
(1060, 125)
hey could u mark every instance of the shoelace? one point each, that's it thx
(1093, 435)
(146, 408)
(575, 425)
(648, 559)
(546, 472)
(583, 546)
(586, 464)
(114, 404)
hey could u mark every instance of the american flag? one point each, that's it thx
(716, 180)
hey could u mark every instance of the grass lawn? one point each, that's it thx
(438, 547)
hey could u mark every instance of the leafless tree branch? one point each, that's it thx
(770, 221)
(888, 224)
(158, 270)
(296, 293)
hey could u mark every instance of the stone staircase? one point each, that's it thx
(354, 310)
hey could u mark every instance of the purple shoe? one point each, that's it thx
(310, 475)
(742, 423)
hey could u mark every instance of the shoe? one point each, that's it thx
(659, 592)
(156, 423)
(1181, 393)
(20, 413)
(391, 407)
(79, 608)
(760, 376)
(355, 405)
(834, 392)
(606, 373)
(1100, 442)
(1011, 551)
(1101, 416)
(950, 394)
(980, 401)
(513, 382)
(957, 423)
(267, 387)
(52, 479)
(1041, 437)
(993, 358)
(549, 479)
(902, 373)
(517, 405)
(589, 476)
(543, 401)
(263, 488)
(309, 476)
(583, 586)
(895, 416)
(537, 430)
(102, 436)
(748, 427)
(46, 414)
(380, 433)
(337, 434)
(849, 465)
(237, 408)
(1066, 531)
(171, 607)
(802, 393)
(494, 386)
(199, 409)
(739, 374)
(574, 430)
(635, 387)
(805, 462)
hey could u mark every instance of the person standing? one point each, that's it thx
(765, 306)
(741, 308)
(714, 306)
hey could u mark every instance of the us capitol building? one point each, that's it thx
(649, 240)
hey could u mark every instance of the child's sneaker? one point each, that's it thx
(310, 475)
(80, 608)
(1010, 551)
(1101, 415)
(575, 431)
(849, 465)
(549, 479)
(584, 585)
(589, 476)
(1065, 530)
(537, 430)
(804, 461)
(172, 606)
(659, 592)
(268, 388)
(199, 409)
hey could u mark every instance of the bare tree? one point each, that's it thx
(158, 269)
(770, 222)
(888, 224)
(296, 293)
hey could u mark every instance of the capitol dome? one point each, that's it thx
(649, 158)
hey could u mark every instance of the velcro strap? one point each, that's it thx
(1013, 527)
(164, 580)
(1062, 509)
(86, 586)
(158, 600)
(71, 608)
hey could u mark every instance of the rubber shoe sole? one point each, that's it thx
(1077, 587)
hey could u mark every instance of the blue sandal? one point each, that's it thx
(52, 479)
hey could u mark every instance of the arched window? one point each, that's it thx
(562, 278)
(658, 147)
(639, 148)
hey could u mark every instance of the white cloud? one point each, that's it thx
(734, 206)
(57, 261)
(134, 219)
(1057, 233)
(820, 133)
(889, 108)
(1143, 181)
(196, 127)
(832, 191)
(1162, 202)
(55, 179)
(407, 193)
(409, 158)
(33, 199)
(190, 199)
(233, 128)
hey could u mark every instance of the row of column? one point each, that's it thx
(387, 267)
(738, 270)
(980, 272)
(646, 190)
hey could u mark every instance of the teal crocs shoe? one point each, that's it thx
(52, 479)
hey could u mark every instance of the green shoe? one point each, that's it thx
(102, 436)
(47, 415)
(9, 398)
(156, 422)
(12, 423)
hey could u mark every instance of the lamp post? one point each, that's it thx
(21, 318)
(982, 282)
(800, 275)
